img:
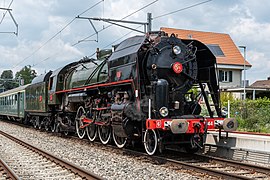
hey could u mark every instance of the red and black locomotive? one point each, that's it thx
(148, 90)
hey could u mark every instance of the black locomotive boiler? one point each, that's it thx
(148, 90)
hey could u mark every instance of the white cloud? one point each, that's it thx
(245, 20)
(255, 35)
(260, 65)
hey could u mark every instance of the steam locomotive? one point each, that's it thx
(147, 90)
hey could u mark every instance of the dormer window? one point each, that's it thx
(216, 50)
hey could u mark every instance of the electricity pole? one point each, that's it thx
(244, 85)
(147, 25)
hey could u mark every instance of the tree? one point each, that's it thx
(7, 74)
(27, 74)
(10, 84)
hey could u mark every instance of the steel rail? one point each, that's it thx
(261, 169)
(207, 170)
(197, 168)
(10, 173)
(84, 174)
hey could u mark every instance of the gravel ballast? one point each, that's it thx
(101, 160)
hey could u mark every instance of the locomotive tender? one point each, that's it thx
(147, 90)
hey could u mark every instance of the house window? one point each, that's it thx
(216, 50)
(225, 76)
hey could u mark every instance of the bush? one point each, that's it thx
(252, 115)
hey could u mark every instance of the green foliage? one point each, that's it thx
(10, 84)
(7, 82)
(194, 90)
(7, 74)
(252, 115)
(27, 74)
(225, 96)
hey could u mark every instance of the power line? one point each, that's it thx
(112, 24)
(121, 37)
(94, 52)
(116, 40)
(188, 7)
(84, 39)
(44, 44)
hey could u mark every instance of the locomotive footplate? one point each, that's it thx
(177, 126)
(189, 126)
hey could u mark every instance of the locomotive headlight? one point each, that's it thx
(176, 50)
(164, 111)
(177, 67)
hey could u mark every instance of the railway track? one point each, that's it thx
(217, 167)
(29, 162)
(6, 172)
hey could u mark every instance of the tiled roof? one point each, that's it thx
(261, 84)
(230, 50)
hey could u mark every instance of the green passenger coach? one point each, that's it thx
(12, 103)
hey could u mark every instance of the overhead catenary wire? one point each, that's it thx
(106, 46)
(84, 39)
(188, 7)
(185, 8)
(147, 5)
(118, 39)
(194, 5)
(45, 43)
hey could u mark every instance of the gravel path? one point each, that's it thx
(98, 159)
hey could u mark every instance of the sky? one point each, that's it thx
(49, 35)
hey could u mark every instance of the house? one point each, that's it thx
(260, 88)
(230, 62)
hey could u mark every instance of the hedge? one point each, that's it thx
(252, 115)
